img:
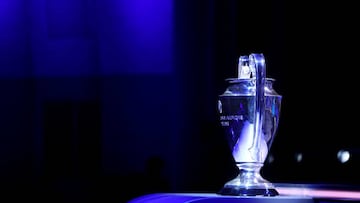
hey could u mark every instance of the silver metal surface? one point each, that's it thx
(249, 113)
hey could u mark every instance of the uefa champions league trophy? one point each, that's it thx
(249, 114)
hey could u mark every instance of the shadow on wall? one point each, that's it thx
(151, 180)
(76, 139)
(110, 189)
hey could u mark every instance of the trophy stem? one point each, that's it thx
(249, 182)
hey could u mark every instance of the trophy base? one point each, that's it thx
(238, 191)
(249, 182)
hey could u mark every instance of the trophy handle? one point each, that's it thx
(257, 63)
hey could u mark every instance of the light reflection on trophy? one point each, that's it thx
(249, 114)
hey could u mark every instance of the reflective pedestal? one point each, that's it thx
(214, 198)
(288, 193)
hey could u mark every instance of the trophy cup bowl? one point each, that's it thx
(249, 114)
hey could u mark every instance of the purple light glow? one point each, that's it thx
(319, 193)
(14, 48)
(8, 11)
(68, 19)
(147, 19)
(142, 36)
(11, 19)
(63, 42)
(44, 38)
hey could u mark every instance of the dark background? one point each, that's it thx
(108, 100)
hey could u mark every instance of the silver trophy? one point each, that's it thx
(249, 114)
